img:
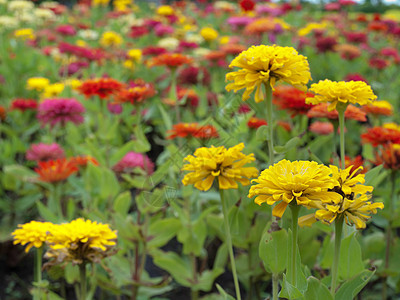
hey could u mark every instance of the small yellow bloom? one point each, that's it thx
(110, 39)
(135, 55)
(81, 43)
(100, 2)
(37, 83)
(310, 27)
(165, 10)
(209, 34)
(304, 182)
(73, 83)
(32, 234)
(224, 40)
(52, 90)
(227, 165)
(25, 34)
(129, 64)
(267, 64)
(341, 92)
(391, 125)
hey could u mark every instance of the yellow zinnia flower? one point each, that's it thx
(79, 231)
(267, 64)
(341, 92)
(135, 55)
(304, 182)
(209, 34)
(110, 38)
(37, 83)
(52, 90)
(355, 211)
(165, 10)
(32, 234)
(25, 34)
(218, 162)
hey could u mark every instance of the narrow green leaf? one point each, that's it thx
(122, 203)
(352, 287)
(224, 294)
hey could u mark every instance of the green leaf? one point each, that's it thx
(373, 176)
(224, 294)
(262, 133)
(221, 257)
(121, 152)
(46, 213)
(289, 291)
(350, 260)
(161, 231)
(273, 250)
(352, 287)
(179, 268)
(316, 290)
(301, 281)
(109, 184)
(141, 144)
(122, 203)
(192, 237)
(206, 279)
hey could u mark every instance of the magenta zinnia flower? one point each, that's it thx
(60, 111)
(45, 152)
(134, 160)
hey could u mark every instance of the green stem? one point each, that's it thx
(341, 109)
(56, 198)
(275, 287)
(38, 273)
(82, 273)
(229, 241)
(295, 215)
(338, 241)
(268, 94)
(390, 207)
(174, 96)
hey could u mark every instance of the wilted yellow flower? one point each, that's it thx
(52, 90)
(24, 34)
(307, 183)
(110, 38)
(209, 34)
(227, 165)
(350, 183)
(341, 92)
(135, 54)
(32, 234)
(37, 83)
(165, 10)
(353, 206)
(355, 211)
(267, 64)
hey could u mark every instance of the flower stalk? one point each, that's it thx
(341, 108)
(82, 274)
(295, 215)
(268, 97)
(229, 241)
(38, 273)
(335, 265)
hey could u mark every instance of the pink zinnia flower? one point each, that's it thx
(134, 160)
(63, 110)
(45, 152)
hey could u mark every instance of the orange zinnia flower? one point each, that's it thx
(379, 108)
(55, 170)
(321, 111)
(135, 94)
(3, 113)
(192, 130)
(102, 87)
(259, 26)
(170, 60)
(82, 161)
(292, 99)
(256, 122)
(356, 162)
(389, 157)
(381, 136)
(233, 49)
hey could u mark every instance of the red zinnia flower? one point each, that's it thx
(256, 122)
(55, 170)
(102, 87)
(24, 104)
(378, 63)
(292, 99)
(322, 128)
(247, 5)
(3, 113)
(170, 60)
(381, 136)
(193, 75)
(192, 130)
